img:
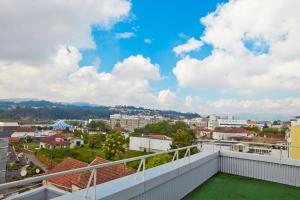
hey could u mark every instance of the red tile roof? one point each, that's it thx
(14, 139)
(81, 180)
(104, 174)
(232, 130)
(65, 182)
(158, 136)
(25, 129)
(54, 139)
(118, 129)
(201, 128)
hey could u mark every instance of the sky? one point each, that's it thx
(204, 56)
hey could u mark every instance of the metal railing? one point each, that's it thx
(93, 168)
(216, 144)
(283, 150)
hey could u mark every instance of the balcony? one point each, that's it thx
(175, 180)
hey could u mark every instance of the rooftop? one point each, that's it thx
(81, 179)
(227, 187)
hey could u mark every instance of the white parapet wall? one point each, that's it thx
(285, 171)
(149, 144)
(171, 181)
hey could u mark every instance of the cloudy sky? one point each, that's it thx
(205, 56)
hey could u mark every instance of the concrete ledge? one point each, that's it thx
(263, 158)
(39, 194)
(159, 180)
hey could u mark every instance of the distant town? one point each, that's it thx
(31, 147)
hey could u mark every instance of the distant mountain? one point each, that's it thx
(41, 109)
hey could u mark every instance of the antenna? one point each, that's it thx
(23, 172)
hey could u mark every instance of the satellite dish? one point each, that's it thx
(37, 171)
(23, 172)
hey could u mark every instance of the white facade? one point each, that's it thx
(295, 122)
(197, 122)
(148, 144)
(231, 123)
(76, 142)
(131, 122)
(212, 122)
(226, 136)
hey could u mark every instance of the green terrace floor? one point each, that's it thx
(231, 187)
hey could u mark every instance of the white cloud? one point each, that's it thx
(124, 35)
(148, 41)
(188, 101)
(137, 67)
(63, 80)
(167, 99)
(234, 67)
(288, 106)
(32, 31)
(97, 62)
(191, 45)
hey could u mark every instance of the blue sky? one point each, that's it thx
(167, 24)
(205, 56)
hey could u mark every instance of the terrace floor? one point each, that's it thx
(228, 187)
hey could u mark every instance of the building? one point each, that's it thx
(131, 122)
(3, 158)
(22, 132)
(150, 143)
(61, 125)
(8, 126)
(212, 122)
(79, 181)
(231, 122)
(202, 131)
(227, 133)
(294, 139)
(60, 141)
(196, 122)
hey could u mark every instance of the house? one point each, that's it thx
(240, 147)
(79, 181)
(14, 140)
(8, 126)
(231, 122)
(227, 133)
(61, 125)
(150, 143)
(60, 141)
(202, 131)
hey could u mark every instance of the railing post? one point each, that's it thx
(188, 153)
(280, 154)
(89, 184)
(95, 184)
(142, 166)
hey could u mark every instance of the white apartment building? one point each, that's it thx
(131, 122)
(150, 143)
(212, 122)
(230, 122)
(8, 126)
(196, 122)
(231, 133)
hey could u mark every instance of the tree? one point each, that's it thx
(181, 139)
(113, 145)
(100, 125)
(80, 134)
(158, 160)
(94, 141)
(164, 127)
